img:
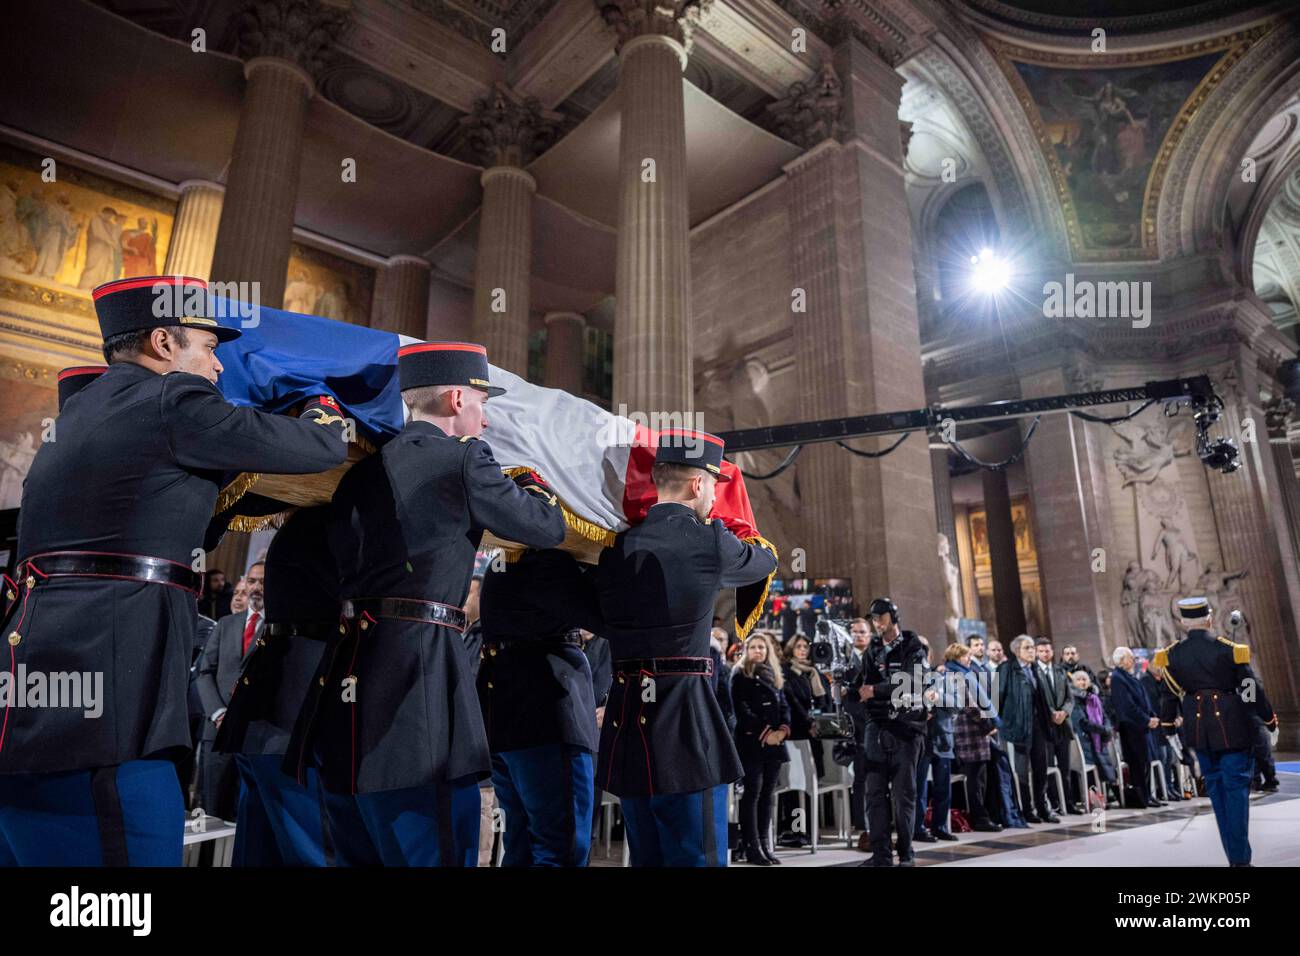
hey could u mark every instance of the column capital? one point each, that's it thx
(674, 19)
(810, 110)
(403, 259)
(509, 129)
(300, 32)
(199, 184)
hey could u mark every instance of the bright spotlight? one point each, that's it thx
(989, 273)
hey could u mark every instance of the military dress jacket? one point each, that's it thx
(301, 591)
(665, 733)
(1219, 692)
(134, 469)
(393, 705)
(534, 681)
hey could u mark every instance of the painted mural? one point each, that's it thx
(329, 286)
(78, 231)
(1108, 124)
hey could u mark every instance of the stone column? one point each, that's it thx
(653, 356)
(858, 348)
(283, 41)
(401, 301)
(943, 514)
(1065, 468)
(506, 131)
(1250, 516)
(1008, 601)
(194, 232)
(566, 334)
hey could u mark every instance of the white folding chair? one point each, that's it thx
(1158, 777)
(1080, 767)
(218, 832)
(609, 805)
(1015, 777)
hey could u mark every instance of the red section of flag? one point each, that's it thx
(731, 506)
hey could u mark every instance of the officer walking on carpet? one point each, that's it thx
(113, 513)
(392, 721)
(665, 749)
(1219, 692)
(539, 709)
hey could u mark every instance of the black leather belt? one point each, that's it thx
(315, 630)
(408, 609)
(699, 666)
(535, 643)
(101, 564)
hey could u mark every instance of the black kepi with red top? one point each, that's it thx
(422, 364)
(72, 380)
(686, 446)
(150, 302)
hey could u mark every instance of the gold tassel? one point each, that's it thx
(235, 490)
(510, 556)
(743, 629)
(575, 522)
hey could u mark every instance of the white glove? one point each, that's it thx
(1273, 735)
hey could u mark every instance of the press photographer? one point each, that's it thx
(889, 689)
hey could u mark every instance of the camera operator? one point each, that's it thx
(890, 690)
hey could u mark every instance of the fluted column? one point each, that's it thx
(284, 42)
(566, 334)
(652, 333)
(506, 130)
(1008, 600)
(1250, 516)
(503, 266)
(194, 232)
(401, 301)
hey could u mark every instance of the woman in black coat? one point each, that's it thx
(762, 726)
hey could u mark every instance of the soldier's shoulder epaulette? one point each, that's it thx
(1161, 658)
(708, 521)
(1240, 652)
(464, 438)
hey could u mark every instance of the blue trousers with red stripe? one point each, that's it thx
(678, 829)
(132, 814)
(1227, 784)
(546, 794)
(433, 825)
(280, 822)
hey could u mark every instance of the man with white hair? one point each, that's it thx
(1135, 718)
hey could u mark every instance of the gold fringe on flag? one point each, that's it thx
(743, 628)
(248, 524)
(235, 490)
(575, 522)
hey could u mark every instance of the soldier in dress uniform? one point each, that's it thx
(113, 517)
(393, 722)
(280, 821)
(665, 749)
(539, 709)
(1219, 692)
(73, 380)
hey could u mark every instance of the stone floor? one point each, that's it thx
(1179, 834)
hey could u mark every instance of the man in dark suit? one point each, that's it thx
(230, 644)
(1055, 683)
(1157, 690)
(113, 516)
(1135, 718)
(392, 722)
(1220, 694)
(280, 820)
(1027, 725)
(860, 631)
(665, 749)
(539, 709)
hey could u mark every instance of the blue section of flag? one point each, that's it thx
(286, 357)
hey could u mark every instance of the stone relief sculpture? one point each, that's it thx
(1180, 560)
(1147, 449)
(1157, 624)
(1130, 597)
(1220, 587)
(951, 584)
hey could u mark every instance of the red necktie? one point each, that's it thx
(249, 629)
